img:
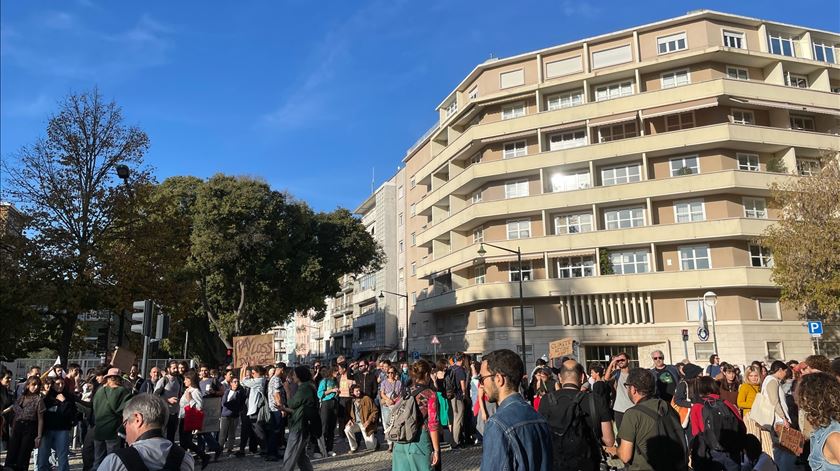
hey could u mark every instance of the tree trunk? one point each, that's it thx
(68, 326)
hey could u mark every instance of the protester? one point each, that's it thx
(233, 402)
(424, 453)
(459, 401)
(95, 381)
(276, 400)
(616, 374)
(247, 439)
(132, 381)
(815, 364)
(666, 376)
(729, 384)
(650, 435)
(144, 417)
(256, 386)
(328, 408)
(717, 432)
(755, 459)
(363, 416)
(818, 396)
(580, 422)
(366, 380)
(439, 377)
(149, 385)
(28, 425)
(713, 369)
(405, 377)
(303, 410)
(747, 392)
(390, 391)
(543, 384)
(7, 400)
(345, 380)
(170, 388)
(515, 426)
(772, 390)
(21, 387)
(60, 412)
(191, 398)
(597, 384)
(108, 403)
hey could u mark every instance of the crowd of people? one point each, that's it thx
(561, 416)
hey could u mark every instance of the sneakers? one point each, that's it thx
(317, 455)
(332, 453)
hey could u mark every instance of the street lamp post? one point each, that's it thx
(710, 299)
(405, 330)
(123, 172)
(518, 252)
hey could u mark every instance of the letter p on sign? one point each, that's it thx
(815, 328)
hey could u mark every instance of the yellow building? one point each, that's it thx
(632, 170)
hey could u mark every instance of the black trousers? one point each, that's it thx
(185, 439)
(343, 412)
(21, 444)
(329, 417)
(171, 427)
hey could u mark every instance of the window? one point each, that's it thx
(703, 350)
(402, 246)
(512, 78)
(401, 274)
(480, 274)
(413, 268)
(615, 132)
(748, 162)
(824, 52)
(515, 149)
(693, 308)
(564, 100)
(473, 93)
(613, 90)
(796, 80)
(414, 297)
(633, 261)
(694, 257)
(613, 56)
(808, 167)
(775, 350)
(781, 44)
(689, 211)
(755, 208)
(675, 122)
(400, 219)
(674, 42)
(802, 123)
(413, 209)
(529, 316)
(687, 165)
(570, 181)
(573, 223)
(529, 351)
(478, 235)
(760, 257)
(367, 282)
(576, 267)
(768, 309)
(516, 189)
(520, 229)
(675, 78)
(734, 39)
(476, 196)
(743, 117)
(623, 174)
(413, 239)
(514, 110)
(563, 67)
(480, 319)
(737, 73)
(565, 140)
(400, 191)
(451, 108)
(527, 271)
(624, 218)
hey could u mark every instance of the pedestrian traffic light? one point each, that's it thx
(141, 317)
(162, 326)
(228, 356)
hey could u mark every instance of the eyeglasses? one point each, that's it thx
(481, 378)
(658, 358)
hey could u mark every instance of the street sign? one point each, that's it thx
(815, 328)
(703, 334)
(435, 340)
(415, 355)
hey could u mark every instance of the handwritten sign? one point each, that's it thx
(253, 350)
(123, 359)
(561, 348)
(212, 407)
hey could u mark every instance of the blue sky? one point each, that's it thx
(309, 95)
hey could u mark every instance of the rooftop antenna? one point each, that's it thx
(372, 178)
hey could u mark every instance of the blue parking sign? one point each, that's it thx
(815, 327)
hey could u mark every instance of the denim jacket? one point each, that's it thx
(516, 438)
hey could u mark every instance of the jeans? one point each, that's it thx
(275, 430)
(296, 451)
(208, 442)
(784, 459)
(386, 414)
(103, 448)
(227, 432)
(352, 430)
(58, 440)
(329, 415)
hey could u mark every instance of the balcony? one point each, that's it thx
(316, 334)
(734, 277)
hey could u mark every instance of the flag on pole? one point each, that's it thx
(701, 316)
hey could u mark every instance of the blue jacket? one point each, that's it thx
(516, 438)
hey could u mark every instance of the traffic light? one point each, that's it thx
(141, 317)
(228, 356)
(162, 326)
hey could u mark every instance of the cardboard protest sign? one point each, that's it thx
(212, 408)
(123, 359)
(561, 348)
(253, 350)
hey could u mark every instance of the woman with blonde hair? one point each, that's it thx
(747, 391)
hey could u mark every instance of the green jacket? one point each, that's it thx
(304, 402)
(108, 405)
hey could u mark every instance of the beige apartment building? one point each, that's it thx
(632, 170)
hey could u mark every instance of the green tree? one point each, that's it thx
(67, 185)
(805, 242)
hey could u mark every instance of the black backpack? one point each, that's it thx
(450, 385)
(312, 417)
(723, 431)
(667, 449)
(574, 434)
(132, 461)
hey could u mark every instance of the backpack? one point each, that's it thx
(132, 461)
(722, 431)
(312, 419)
(450, 385)
(573, 431)
(406, 421)
(667, 449)
(263, 412)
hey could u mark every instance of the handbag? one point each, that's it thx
(683, 412)
(762, 412)
(193, 419)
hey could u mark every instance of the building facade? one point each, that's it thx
(632, 170)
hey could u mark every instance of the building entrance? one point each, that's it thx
(603, 354)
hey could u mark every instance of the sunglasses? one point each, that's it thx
(658, 358)
(392, 372)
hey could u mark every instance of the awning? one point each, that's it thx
(560, 127)
(508, 137)
(615, 118)
(571, 253)
(788, 106)
(507, 99)
(512, 258)
(679, 107)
